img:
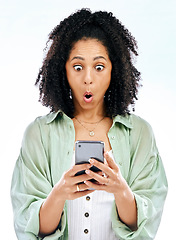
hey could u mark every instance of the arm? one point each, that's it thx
(138, 208)
(125, 202)
(147, 185)
(126, 208)
(124, 197)
(116, 184)
(66, 189)
(32, 192)
(30, 184)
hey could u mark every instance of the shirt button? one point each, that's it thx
(86, 214)
(87, 198)
(113, 137)
(120, 163)
(86, 231)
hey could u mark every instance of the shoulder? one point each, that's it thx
(41, 125)
(140, 125)
(136, 128)
(38, 127)
(134, 123)
(141, 133)
(35, 125)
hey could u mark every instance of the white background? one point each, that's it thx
(24, 27)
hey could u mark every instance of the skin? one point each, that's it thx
(116, 184)
(89, 69)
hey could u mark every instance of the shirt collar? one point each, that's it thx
(125, 120)
(53, 115)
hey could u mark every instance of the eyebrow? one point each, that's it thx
(99, 57)
(81, 58)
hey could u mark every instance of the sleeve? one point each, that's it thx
(31, 184)
(148, 182)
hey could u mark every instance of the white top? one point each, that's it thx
(89, 217)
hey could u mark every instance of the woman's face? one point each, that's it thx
(88, 71)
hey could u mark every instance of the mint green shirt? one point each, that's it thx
(47, 151)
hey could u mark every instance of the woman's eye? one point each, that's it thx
(99, 67)
(78, 67)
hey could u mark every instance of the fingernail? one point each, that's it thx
(91, 160)
(87, 171)
(106, 154)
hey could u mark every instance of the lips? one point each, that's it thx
(88, 97)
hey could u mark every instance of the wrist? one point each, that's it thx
(57, 196)
(124, 193)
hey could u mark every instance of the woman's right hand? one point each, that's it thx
(66, 188)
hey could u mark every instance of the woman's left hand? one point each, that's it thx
(112, 181)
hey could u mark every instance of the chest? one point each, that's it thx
(97, 132)
(60, 146)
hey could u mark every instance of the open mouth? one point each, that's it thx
(88, 97)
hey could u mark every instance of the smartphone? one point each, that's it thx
(84, 150)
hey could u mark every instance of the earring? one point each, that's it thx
(70, 93)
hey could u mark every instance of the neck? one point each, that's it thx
(90, 115)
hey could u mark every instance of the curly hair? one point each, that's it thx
(121, 47)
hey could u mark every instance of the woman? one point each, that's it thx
(89, 82)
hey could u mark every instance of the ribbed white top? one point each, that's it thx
(89, 217)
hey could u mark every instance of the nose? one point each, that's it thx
(88, 77)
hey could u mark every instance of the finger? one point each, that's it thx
(80, 178)
(100, 173)
(101, 166)
(112, 164)
(82, 193)
(77, 168)
(97, 177)
(81, 187)
(95, 186)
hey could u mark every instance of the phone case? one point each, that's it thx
(84, 150)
